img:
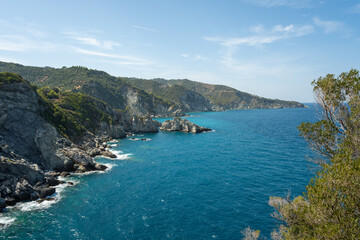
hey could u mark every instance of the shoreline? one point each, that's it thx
(8, 216)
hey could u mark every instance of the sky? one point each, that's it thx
(270, 48)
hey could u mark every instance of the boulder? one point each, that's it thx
(108, 154)
(10, 201)
(100, 167)
(23, 191)
(45, 191)
(52, 181)
(64, 174)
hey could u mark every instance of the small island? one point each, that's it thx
(182, 125)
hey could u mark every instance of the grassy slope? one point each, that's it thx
(95, 83)
(112, 90)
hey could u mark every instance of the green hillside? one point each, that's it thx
(156, 97)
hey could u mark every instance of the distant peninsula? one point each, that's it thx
(154, 98)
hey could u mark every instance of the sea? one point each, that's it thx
(173, 185)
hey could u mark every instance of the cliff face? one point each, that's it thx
(33, 137)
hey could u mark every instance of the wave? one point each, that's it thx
(48, 201)
(120, 155)
(6, 221)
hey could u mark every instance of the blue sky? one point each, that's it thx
(271, 48)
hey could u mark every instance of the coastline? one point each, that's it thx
(71, 179)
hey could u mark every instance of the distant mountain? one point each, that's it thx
(156, 97)
(210, 97)
(113, 90)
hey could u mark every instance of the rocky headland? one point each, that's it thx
(182, 125)
(40, 140)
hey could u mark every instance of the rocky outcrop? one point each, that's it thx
(30, 146)
(182, 125)
(144, 125)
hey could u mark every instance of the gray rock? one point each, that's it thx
(64, 174)
(45, 191)
(108, 154)
(34, 195)
(23, 191)
(100, 167)
(2, 203)
(10, 201)
(144, 125)
(52, 181)
(182, 125)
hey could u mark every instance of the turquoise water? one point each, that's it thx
(182, 186)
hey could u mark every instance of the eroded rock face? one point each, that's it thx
(144, 125)
(182, 125)
(29, 146)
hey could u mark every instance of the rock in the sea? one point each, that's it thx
(100, 167)
(10, 201)
(64, 174)
(108, 154)
(2, 204)
(45, 191)
(52, 181)
(182, 125)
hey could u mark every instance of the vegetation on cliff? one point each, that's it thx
(144, 97)
(74, 113)
(98, 84)
(229, 98)
(9, 78)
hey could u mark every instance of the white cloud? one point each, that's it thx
(88, 39)
(328, 26)
(97, 43)
(184, 55)
(281, 3)
(126, 60)
(278, 32)
(145, 28)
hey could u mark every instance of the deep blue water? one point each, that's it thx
(182, 185)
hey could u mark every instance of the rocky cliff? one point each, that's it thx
(38, 136)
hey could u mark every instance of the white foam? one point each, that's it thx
(6, 221)
(109, 166)
(35, 205)
(120, 155)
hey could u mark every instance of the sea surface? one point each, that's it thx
(180, 185)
